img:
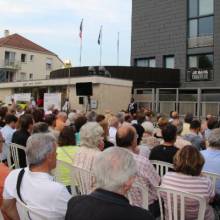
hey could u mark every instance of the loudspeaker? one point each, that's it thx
(81, 100)
(84, 89)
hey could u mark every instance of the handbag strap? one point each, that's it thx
(18, 186)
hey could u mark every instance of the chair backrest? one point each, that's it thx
(175, 203)
(213, 176)
(83, 179)
(144, 195)
(161, 167)
(14, 153)
(26, 213)
(64, 174)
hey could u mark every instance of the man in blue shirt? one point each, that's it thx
(212, 155)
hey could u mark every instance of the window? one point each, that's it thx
(169, 62)
(23, 58)
(22, 76)
(201, 61)
(9, 58)
(201, 19)
(49, 64)
(146, 62)
(31, 57)
(31, 76)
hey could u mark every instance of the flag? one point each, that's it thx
(100, 36)
(81, 29)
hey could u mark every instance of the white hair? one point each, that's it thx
(38, 146)
(90, 134)
(148, 127)
(214, 138)
(113, 167)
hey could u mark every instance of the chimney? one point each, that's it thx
(6, 33)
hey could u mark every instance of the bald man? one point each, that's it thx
(126, 137)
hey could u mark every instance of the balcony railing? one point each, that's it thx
(203, 41)
(10, 64)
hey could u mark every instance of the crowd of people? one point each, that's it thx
(117, 149)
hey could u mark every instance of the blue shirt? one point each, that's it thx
(212, 163)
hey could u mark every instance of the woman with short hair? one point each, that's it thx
(188, 164)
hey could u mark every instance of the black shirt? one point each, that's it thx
(20, 137)
(104, 205)
(163, 153)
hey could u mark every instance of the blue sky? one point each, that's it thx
(54, 24)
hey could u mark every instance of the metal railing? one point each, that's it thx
(10, 64)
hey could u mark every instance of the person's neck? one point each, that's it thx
(169, 144)
(40, 168)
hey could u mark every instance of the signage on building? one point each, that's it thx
(52, 100)
(200, 74)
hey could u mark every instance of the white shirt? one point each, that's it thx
(112, 135)
(40, 193)
(7, 133)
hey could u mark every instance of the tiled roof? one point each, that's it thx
(19, 42)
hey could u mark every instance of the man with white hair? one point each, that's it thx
(34, 186)
(114, 171)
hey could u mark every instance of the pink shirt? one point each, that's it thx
(199, 185)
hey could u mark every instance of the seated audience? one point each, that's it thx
(113, 127)
(148, 139)
(180, 141)
(114, 172)
(91, 145)
(187, 177)
(212, 155)
(79, 122)
(162, 122)
(126, 137)
(40, 127)
(212, 123)
(195, 136)
(37, 188)
(4, 170)
(22, 134)
(166, 151)
(7, 133)
(186, 125)
(66, 151)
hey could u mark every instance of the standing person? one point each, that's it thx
(132, 107)
(22, 134)
(66, 105)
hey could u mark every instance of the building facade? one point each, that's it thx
(178, 34)
(23, 60)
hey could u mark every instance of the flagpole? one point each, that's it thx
(80, 56)
(100, 62)
(118, 41)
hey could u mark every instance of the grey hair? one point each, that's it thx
(214, 138)
(38, 146)
(112, 168)
(90, 134)
(148, 127)
(91, 116)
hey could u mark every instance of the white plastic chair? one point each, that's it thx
(59, 174)
(213, 176)
(83, 179)
(161, 167)
(144, 194)
(14, 149)
(175, 202)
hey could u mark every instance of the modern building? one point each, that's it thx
(23, 60)
(184, 35)
(178, 34)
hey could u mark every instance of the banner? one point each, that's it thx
(52, 99)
